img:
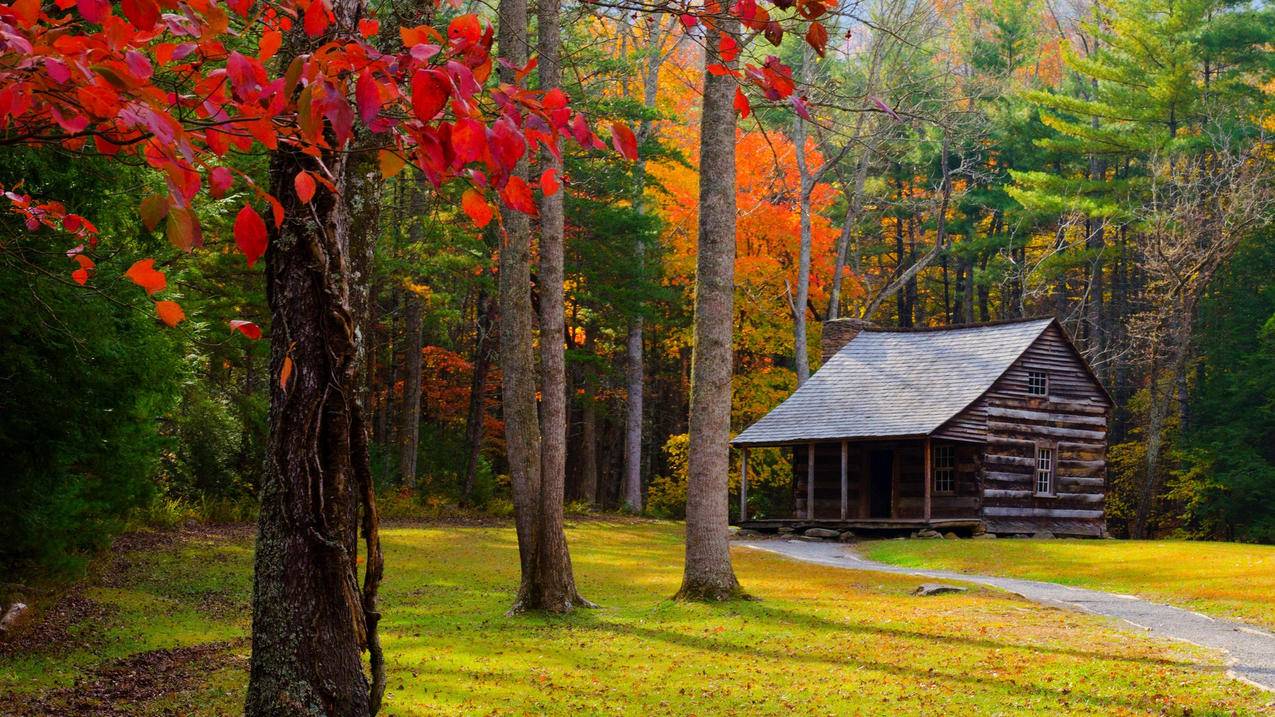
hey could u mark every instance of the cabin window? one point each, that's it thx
(1037, 383)
(1044, 470)
(944, 469)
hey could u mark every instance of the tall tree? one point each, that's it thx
(547, 582)
(708, 574)
(310, 621)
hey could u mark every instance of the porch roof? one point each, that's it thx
(891, 383)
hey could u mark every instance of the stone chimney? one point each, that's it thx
(838, 333)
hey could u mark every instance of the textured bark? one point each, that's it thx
(708, 574)
(631, 485)
(410, 419)
(311, 619)
(801, 359)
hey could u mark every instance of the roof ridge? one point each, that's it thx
(952, 327)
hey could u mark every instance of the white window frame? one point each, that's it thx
(944, 473)
(1032, 374)
(1046, 470)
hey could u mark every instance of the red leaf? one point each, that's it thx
(549, 184)
(94, 10)
(718, 69)
(250, 234)
(81, 275)
(169, 312)
(429, 94)
(142, 13)
(271, 40)
(741, 104)
(304, 184)
(369, 27)
(144, 275)
(817, 37)
(728, 49)
(688, 21)
(219, 181)
(465, 28)
(368, 95)
(316, 18)
(247, 328)
(476, 208)
(469, 140)
(554, 99)
(517, 195)
(885, 108)
(623, 140)
(799, 105)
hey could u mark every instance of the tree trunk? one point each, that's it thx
(477, 394)
(547, 582)
(806, 186)
(708, 574)
(311, 619)
(410, 418)
(631, 487)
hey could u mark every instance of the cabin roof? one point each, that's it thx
(890, 383)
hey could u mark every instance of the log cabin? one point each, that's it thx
(997, 428)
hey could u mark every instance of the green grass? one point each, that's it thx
(820, 641)
(1232, 580)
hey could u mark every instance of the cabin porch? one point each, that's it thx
(896, 484)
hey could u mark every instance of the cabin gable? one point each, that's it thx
(1044, 428)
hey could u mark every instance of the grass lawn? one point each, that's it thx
(163, 632)
(1231, 580)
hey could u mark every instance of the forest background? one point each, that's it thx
(942, 163)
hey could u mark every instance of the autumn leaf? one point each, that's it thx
(391, 163)
(688, 21)
(304, 184)
(271, 41)
(429, 94)
(476, 208)
(624, 142)
(741, 104)
(517, 195)
(153, 210)
(169, 312)
(549, 184)
(250, 234)
(465, 28)
(219, 181)
(247, 328)
(316, 18)
(81, 275)
(727, 49)
(183, 228)
(142, 13)
(369, 27)
(368, 96)
(817, 38)
(285, 372)
(143, 273)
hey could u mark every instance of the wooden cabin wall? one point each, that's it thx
(828, 480)
(965, 499)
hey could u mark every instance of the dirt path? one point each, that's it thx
(1250, 651)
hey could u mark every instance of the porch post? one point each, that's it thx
(845, 479)
(929, 478)
(743, 487)
(810, 481)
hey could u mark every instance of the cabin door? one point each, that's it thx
(880, 483)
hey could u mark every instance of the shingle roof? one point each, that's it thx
(892, 383)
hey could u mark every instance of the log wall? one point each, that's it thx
(1072, 420)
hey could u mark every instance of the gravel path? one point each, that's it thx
(1250, 651)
